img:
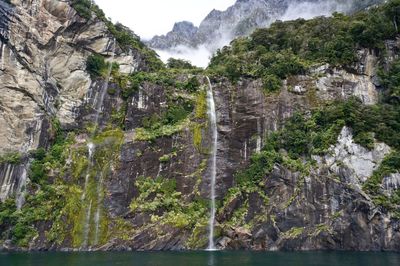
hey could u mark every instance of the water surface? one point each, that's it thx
(202, 258)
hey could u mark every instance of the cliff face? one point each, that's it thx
(44, 46)
(121, 161)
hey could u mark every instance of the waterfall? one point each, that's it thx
(259, 140)
(245, 150)
(21, 190)
(86, 227)
(98, 210)
(91, 147)
(213, 127)
(98, 105)
(141, 100)
(160, 168)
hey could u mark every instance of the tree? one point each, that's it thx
(179, 64)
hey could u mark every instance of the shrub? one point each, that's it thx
(82, 7)
(271, 83)
(178, 111)
(391, 81)
(192, 85)
(37, 171)
(39, 154)
(179, 64)
(96, 65)
(390, 165)
(11, 158)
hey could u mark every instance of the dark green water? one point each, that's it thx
(202, 258)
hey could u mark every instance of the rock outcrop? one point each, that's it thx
(324, 209)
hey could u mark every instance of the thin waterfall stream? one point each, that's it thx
(98, 104)
(213, 126)
(21, 190)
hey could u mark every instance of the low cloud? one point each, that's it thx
(196, 56)
(199, 56)
(308, 10)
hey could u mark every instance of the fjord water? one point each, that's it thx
(202, 258)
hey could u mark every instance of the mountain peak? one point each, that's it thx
(184, 26)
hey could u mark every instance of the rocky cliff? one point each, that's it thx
(103, 148)
(44, 46)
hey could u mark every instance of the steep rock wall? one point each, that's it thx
(155, 180)
(44, 47)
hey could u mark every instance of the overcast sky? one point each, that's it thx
(155, 17)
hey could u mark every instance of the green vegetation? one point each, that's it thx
(271, 83)
(123, 35)
(128, 39)
(11, 158)
(391, 81)
(304, 136)
(185, 99)
(96, 65)
(44, 161)
(293, 232)
(167, 157)
(108, 144)
(58, 173)
(83, 7)
(390, 165)
(179, 64)
(160, 198)
(309, 134)
(201, 105)
(290, 48)
(40, 207)
(160, 130)
(54, 201)
(192, 85)
(48, 193)
(168, 78)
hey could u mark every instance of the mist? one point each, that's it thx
(309, 10)
(201, 55)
